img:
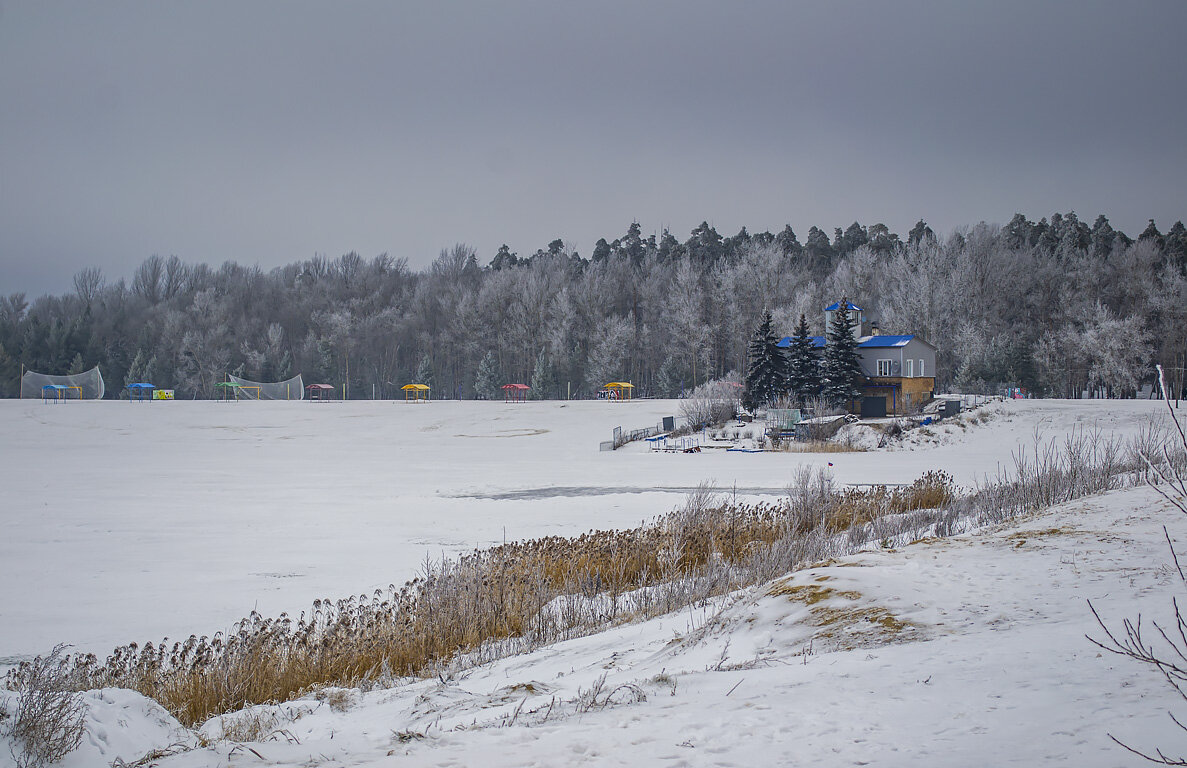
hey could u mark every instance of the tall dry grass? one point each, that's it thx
(509, 598)
(535, 591)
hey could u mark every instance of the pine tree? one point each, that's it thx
(504, 259)
(543, 380)
(486, 379)
(766, 374)
(840, 368)
(284, 369)
(424, 371)
(817, 245)
(920, 233)
(787, 241)
(1176, 245)
(1151, 233)
(135, 372)
(803, 364)
(1102, 237)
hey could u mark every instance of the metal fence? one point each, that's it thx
(622, 436)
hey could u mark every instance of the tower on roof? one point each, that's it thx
(856, 314)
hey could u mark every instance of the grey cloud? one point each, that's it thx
(263, 132)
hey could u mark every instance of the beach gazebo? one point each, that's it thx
(56, 393)
(140, 391)
(416, 393)
(319, 393)
(515, 393)
(619, 390)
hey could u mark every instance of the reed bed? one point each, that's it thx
(510, 598)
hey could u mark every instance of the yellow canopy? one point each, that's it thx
(620, 388)
(415, 393)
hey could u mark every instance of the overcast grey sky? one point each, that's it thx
(267, 131)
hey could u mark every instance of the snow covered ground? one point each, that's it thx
(965, 651)
(126, 521)
(134, 522)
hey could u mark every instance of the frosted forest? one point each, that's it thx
(1058, 306)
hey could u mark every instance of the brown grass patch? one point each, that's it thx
(817, 446)
(536, 591)
(842, 622)
(811, 594)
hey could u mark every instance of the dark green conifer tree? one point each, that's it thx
(766, 370)
(803, 364)
(787, 241)
(1151, 233)
(840, 367)
(920, 233)
(1176, 245)
(818, 246)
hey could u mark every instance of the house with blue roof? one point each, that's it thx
(899, 370)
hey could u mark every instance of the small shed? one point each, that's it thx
(515, 393)
(140, 391)
(618, 390)
(320, 393)
(783, 420)
(416, 393)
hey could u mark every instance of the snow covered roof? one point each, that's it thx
(866, 342)
(884, 341)
(837, 305)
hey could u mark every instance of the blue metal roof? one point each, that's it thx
(785, 342)
(869, 342)
(141, 385)
(837, 305)
(886, 341)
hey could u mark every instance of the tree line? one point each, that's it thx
(1056, 306)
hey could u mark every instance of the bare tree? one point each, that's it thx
(88, 284)
(149, 277)
(1164, 649)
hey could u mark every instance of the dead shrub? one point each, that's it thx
(48, 720)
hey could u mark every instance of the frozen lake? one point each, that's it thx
(133, 522)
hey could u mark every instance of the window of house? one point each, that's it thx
(921, 373)
(884, 367)
(910, 368)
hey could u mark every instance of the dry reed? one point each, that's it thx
(510, 598)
